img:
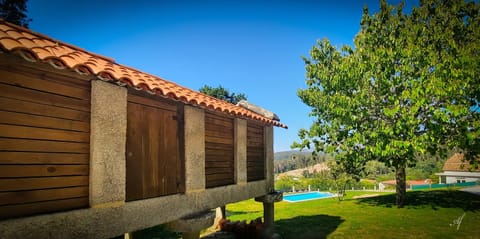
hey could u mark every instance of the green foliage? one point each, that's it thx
(223, 94)
(385, 177)
(374, 172)
(287, 155)
(340, 178)
(425, 169)
(285, 183)
(410, 86)
(320, 181)
(326, 180)
(15, 11)
(374, 168)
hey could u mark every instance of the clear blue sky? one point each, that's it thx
(251, 47)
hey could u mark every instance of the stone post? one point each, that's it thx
(268, 201)
(268, 215)
(269, 156)
(271, 196)
(194, 149)
(240, 151)
(108, 130)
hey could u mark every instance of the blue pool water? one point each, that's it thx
(307, 196)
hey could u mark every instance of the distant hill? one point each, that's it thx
(311, 169)
(288, 154)
(294, 159)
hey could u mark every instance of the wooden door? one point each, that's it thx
(154, 162)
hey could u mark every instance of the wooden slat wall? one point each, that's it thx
(44, 142)
(255, 152)
(219, 154)
(155, 162)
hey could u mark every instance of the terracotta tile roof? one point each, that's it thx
(37, 47)
(456, 163)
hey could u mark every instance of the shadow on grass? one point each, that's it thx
(430, 198)
(308, 227)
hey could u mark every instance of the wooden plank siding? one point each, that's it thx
(219, 150)
(255, 151)
(154, 154)
(44, 142)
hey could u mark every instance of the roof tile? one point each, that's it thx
(457, 163)
(41, 53)
(41, 43)
(26, 42)
(16, 39)
(14, 34)
(9, 44)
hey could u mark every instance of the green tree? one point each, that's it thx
(340, 177)
(223, 94)
(15, 11)
(410, 85)
(374, 168)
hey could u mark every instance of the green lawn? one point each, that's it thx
(429, 214)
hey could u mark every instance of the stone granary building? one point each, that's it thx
(90, 148)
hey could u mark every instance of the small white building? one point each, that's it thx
(456, 170)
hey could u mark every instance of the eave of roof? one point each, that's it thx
(36, 47)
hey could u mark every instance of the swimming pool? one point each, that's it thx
(301, 197)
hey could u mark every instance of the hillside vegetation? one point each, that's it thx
(310, 170)
(294, 160)
(284, 155)
(301, 170)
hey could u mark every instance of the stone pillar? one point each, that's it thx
(240, 151)
(108, 127)
(268, 201)
(270, 180)
(268, 217)
(194, 149)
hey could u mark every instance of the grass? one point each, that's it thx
(429, 214)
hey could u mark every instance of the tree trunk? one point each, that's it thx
(401, 186)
